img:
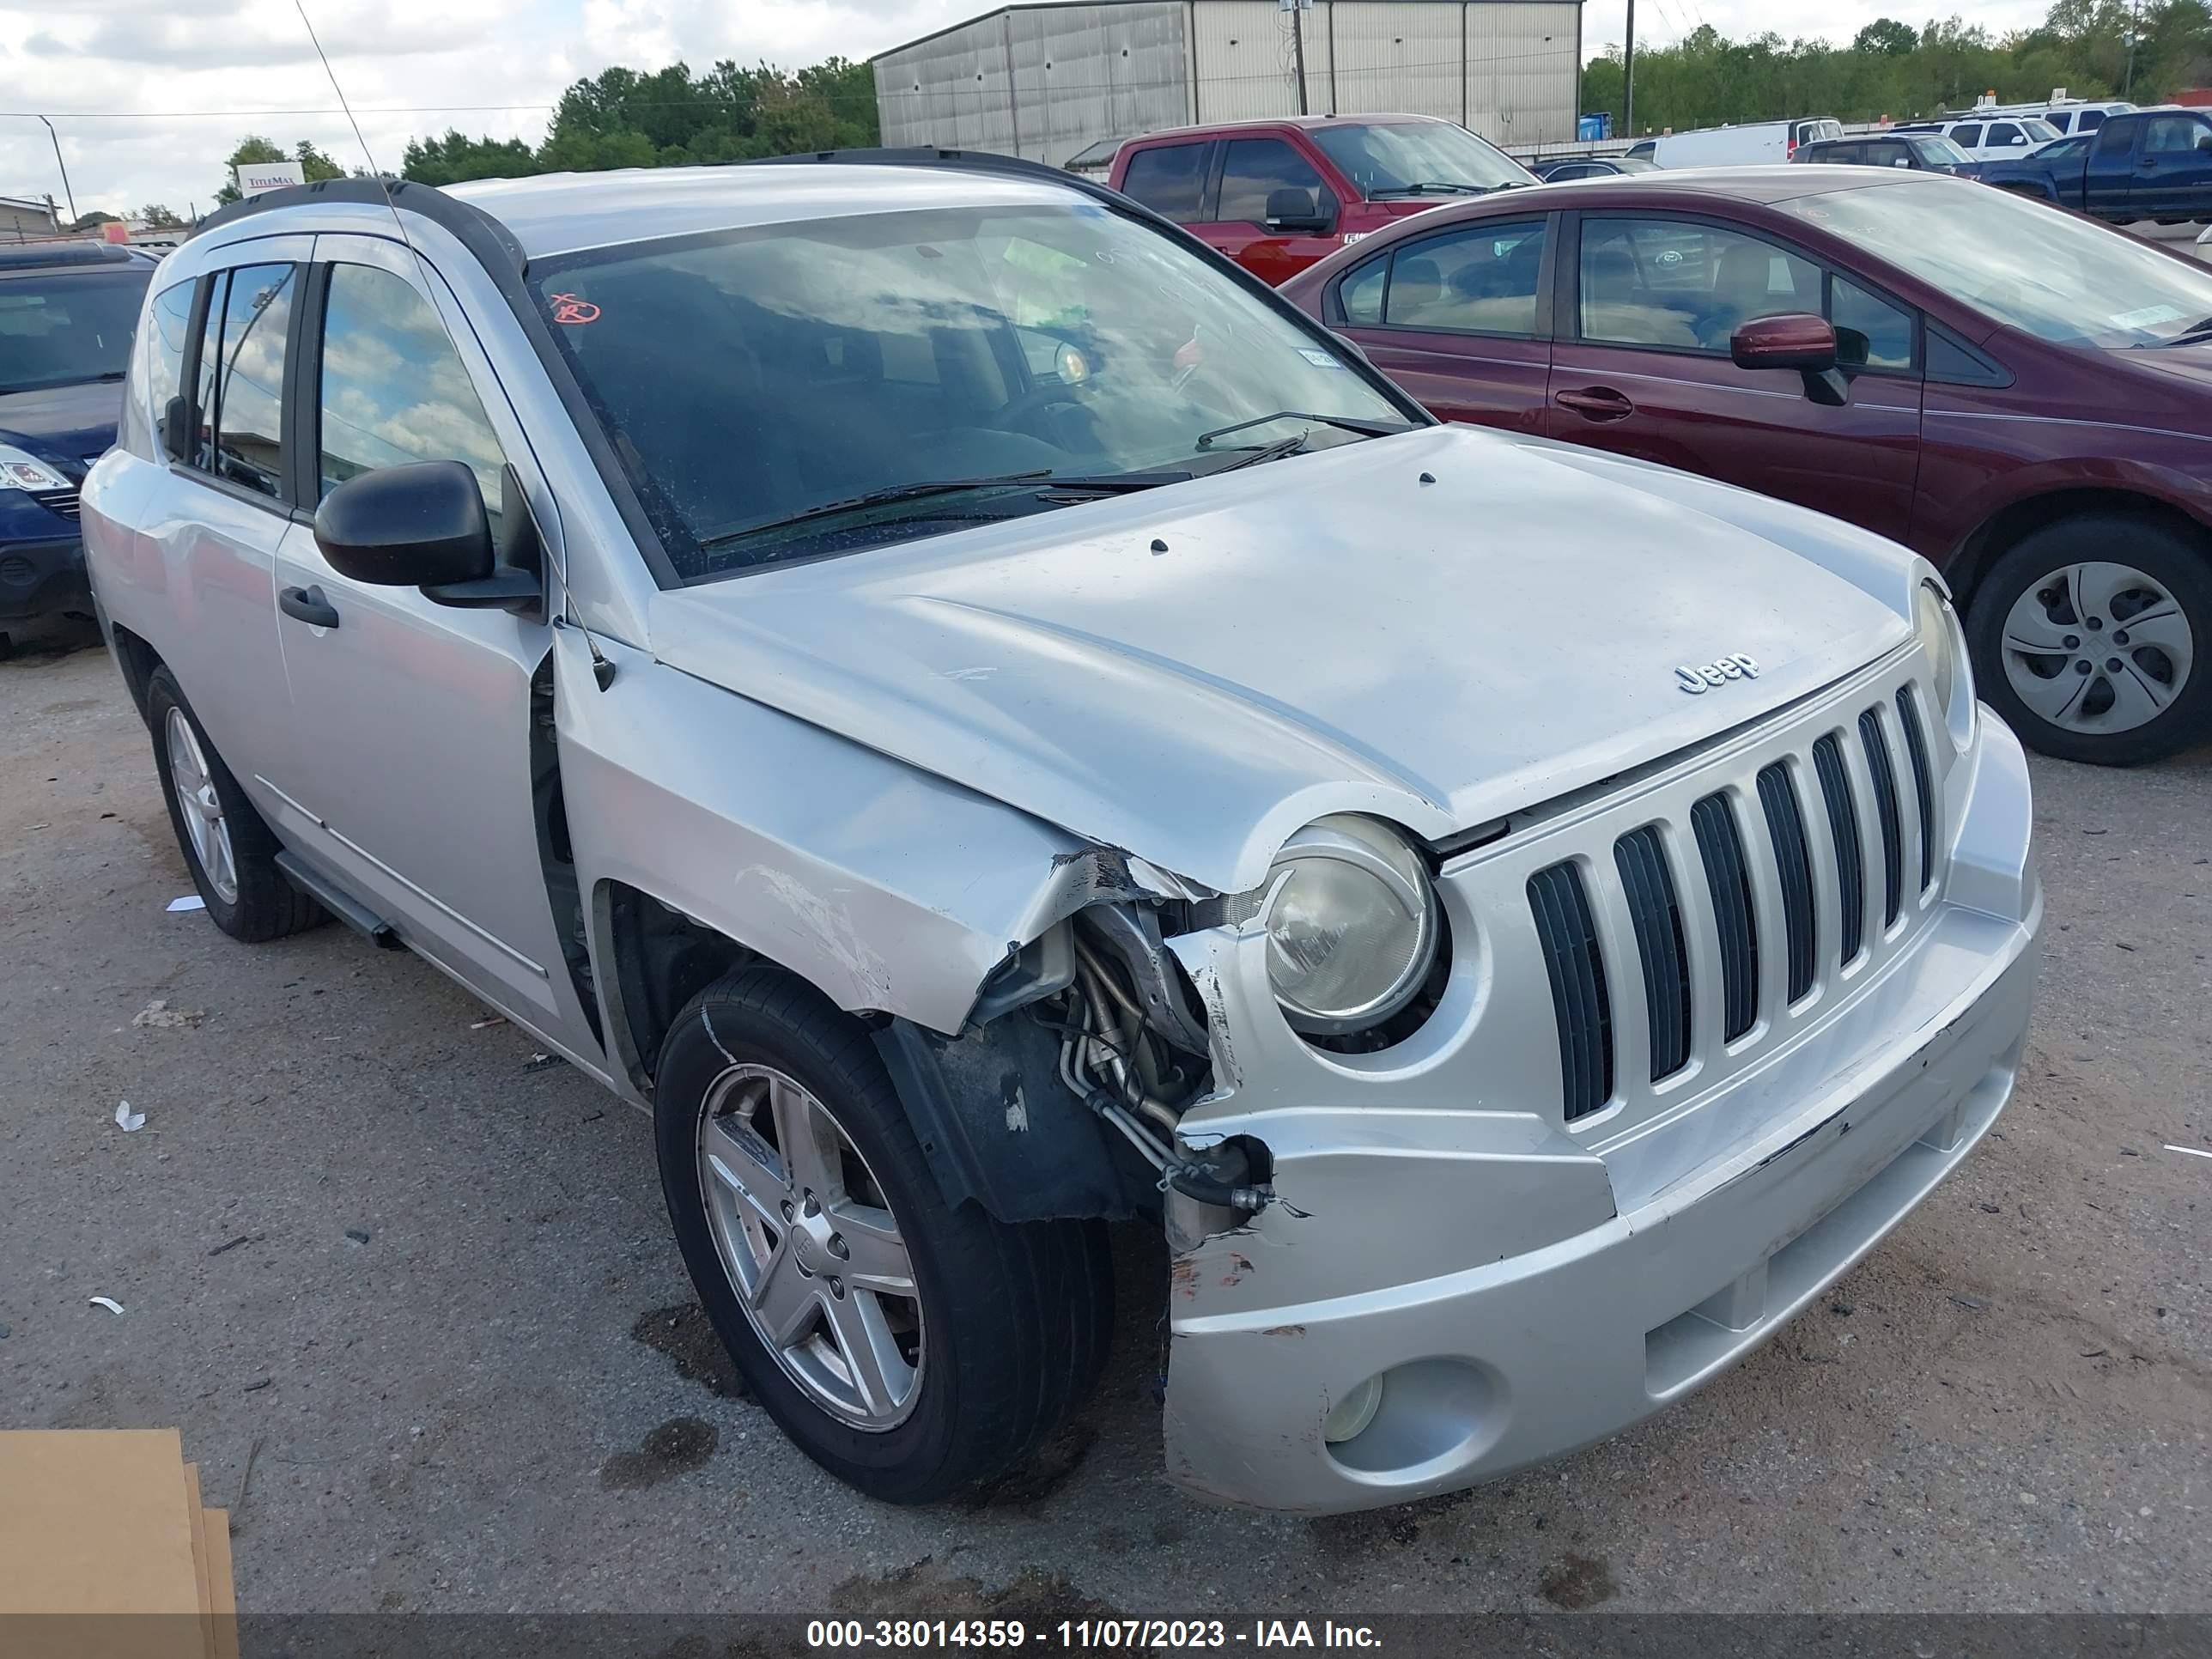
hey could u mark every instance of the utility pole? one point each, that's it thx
(1628, 76)
(1298, 47)
(2134, 28)
(67, 194)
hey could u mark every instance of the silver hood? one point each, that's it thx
(1326, 633)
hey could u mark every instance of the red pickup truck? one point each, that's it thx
(1277, 195)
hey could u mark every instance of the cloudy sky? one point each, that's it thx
(148, 97)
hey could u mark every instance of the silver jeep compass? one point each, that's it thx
(985, 722)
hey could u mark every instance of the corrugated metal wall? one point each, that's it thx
(1398, 57)
(1045, 82)
(1042, 83)
(1520, 64)
(1246, 60)
(1083, 73)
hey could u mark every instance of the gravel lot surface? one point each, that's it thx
(419, 1286)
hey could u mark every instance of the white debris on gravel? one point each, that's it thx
(190, 902)
(129, 1121)
(158, 1013)
(107, 1302)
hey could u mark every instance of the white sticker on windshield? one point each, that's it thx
(1318, 359)
(2145, 318)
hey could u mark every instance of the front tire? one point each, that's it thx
(2092, 637)
(229, 850)
(912, 1349)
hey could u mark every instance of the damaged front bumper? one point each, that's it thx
(1523, 1290)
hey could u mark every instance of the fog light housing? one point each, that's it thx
(1353, 1412)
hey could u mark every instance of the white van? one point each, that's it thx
(1749, 145)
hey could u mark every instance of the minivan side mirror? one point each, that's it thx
(1290, 208)
(1795, 340)
(423, 525)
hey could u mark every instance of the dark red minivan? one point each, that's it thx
(2022, 396)
(1278, 195)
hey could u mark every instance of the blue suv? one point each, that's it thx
(67, 311)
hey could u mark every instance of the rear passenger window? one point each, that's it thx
(393, 388)
(1361, 294)
(1482, 280)
(2059, 119)
(2173, 135)
(1966, 137)
(169, 323)
(1255, 169)
(1170, 179)
(257, 315)
(2090, 121)
(210, 356)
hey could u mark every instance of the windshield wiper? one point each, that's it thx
(1365, 428)
(1044, 481)
(1274, 451)
(884, 498)
(2195, 334)
(1432, 187)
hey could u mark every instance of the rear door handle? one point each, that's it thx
(1597, 403)
(309, 605)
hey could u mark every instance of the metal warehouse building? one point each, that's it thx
(1045, 81)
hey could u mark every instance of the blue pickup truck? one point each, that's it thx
(2143, 164)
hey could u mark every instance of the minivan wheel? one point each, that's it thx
(230, 852)
(912, 1349)
(2092, 637)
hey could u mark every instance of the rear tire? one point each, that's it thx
(1000, 1330)
(2098, 690)
(247, 894)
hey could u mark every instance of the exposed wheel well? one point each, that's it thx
(662, 959)
(2009, 523)
(138, 662)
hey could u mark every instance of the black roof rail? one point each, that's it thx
(492, 243)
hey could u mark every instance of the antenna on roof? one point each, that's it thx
(602, 671)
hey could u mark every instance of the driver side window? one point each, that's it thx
(1687, 287)
(393, 388)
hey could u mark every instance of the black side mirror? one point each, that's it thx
(1292, 209)
(177, 424)
(423, 525)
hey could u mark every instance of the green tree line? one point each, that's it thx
(621, 119)
(2094, 48)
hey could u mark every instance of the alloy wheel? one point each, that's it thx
(200, 806)
(2098, 647)
(809, 1241)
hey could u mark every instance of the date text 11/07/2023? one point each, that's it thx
(1122, 1635)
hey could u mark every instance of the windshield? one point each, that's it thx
(754, 380)
(2087, 285)
(1940, 153)
(1401, 157)
(2039, 132)
(59, 328)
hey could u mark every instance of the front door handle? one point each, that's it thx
(309, 605)
(1597, 403)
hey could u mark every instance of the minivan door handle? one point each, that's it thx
(309, 605)
(1597, 403)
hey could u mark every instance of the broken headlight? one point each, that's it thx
(1352, 925)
